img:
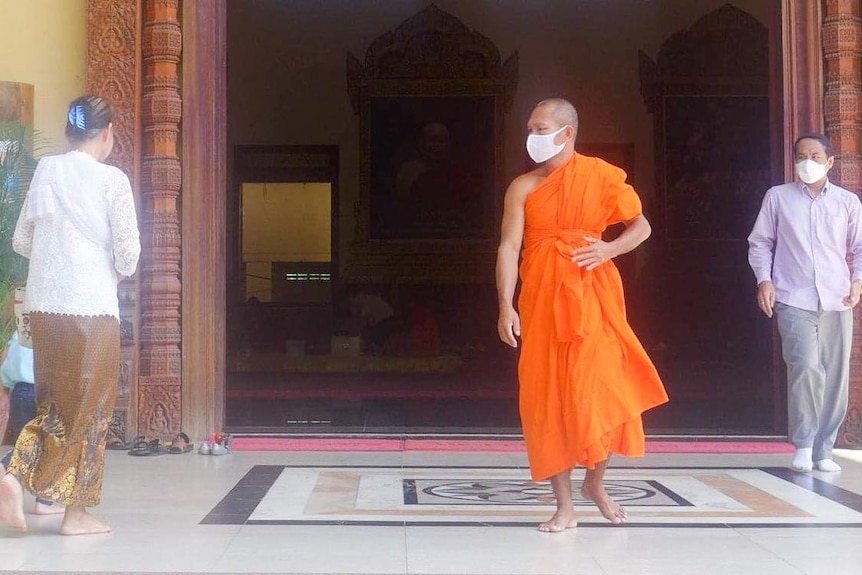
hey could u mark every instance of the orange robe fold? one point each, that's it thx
(585, 379)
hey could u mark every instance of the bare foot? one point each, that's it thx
(12, 503)
(45, 509)
(561, 521)
(78, 522)
(612, 511)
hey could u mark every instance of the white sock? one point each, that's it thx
(827, 465)
(802, 459)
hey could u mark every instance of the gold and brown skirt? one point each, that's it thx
(60, 454)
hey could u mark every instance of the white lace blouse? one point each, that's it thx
(70, 273)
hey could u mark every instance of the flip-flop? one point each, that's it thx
(117, 444)
(181, 444)
(144, 448)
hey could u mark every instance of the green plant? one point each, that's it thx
(17, 164)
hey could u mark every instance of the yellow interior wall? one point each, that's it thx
(44, 43)
(283, 223)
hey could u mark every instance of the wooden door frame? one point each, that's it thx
(204, 216)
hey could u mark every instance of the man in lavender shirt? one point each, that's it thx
(798, 251)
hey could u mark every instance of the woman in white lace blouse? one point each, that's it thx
(79, 229)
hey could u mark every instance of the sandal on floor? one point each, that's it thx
(219, 449)
(181, 444)
(117, 444)
(143, 448)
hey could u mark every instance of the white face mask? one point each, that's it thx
(810, 171)
(542, 147)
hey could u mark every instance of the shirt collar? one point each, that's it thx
(804, 187)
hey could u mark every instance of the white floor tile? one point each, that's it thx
(315, 549)
(492, 551)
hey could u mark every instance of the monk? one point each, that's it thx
(585, 379)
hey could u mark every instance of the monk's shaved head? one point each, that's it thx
(561, 110)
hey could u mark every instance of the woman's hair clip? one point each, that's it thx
(77, 117)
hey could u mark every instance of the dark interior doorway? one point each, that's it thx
(382, 338)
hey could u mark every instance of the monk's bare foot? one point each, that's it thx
(563, 519)
(78, 522)
(12, 503)
(45, 509)
(612, 511)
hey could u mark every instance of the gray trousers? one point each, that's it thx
(816, 349)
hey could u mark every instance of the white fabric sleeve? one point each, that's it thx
(761, 242)
(125, 237)
(22, 239)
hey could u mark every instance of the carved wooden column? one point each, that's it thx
(803, 72)
(842, 51)
(160, 382)
(113, 72)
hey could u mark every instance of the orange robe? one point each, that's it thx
(585, 379)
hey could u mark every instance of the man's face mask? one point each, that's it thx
(810, 171)
(542, 147)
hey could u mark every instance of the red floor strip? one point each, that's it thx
(484, 445)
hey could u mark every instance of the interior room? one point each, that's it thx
(370, 146)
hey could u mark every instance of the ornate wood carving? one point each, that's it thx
(432, 54)
(204, 216)
(160, 379)
(842, 52)
(803, 73)
(113, 72)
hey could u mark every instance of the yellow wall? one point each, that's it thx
(44, 43)
(283, 223)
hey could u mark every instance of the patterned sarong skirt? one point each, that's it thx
(60, 454)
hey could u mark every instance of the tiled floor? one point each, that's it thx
(458, 513)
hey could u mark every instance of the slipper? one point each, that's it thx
(144, 448)
(219, 449)
(205, 448)
(181, 444)
(117, 444)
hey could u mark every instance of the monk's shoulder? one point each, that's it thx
(525, 183)
(607, 170)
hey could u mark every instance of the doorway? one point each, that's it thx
(722, 372)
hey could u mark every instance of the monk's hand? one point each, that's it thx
(766, 297)
(852, 300)
(509, 326)
(593, 255)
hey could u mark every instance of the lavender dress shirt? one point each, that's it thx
(800, 242)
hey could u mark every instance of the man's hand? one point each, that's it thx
(852, 300)
(593, 255)
(766, 297)
(509, 326)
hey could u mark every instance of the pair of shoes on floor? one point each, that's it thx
(181, 444)
(220, 445)
(142, 446)
(208, 448)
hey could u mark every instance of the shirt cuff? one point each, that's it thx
(763, 276)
